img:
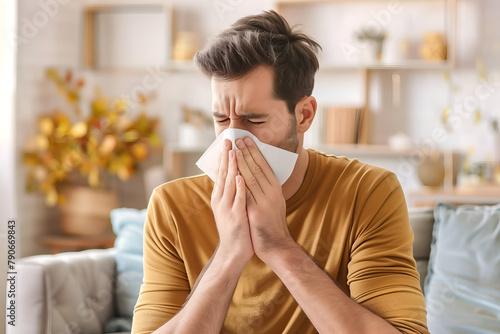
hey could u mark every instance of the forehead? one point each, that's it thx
(255, 86)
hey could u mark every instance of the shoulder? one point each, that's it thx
(351, 172)
(183, 188)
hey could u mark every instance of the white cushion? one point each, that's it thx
(463, 284)
(128, 225)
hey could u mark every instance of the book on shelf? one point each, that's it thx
(342, 125)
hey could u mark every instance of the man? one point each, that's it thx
(329, 251)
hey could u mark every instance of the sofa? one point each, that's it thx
(87, 292)
(94, 291)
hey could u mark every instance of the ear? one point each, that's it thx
(305, 110)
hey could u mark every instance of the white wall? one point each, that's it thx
(56, 41)
(47, 37)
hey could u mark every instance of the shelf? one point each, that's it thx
(190, 67)
(105, 28)
(413, 64)
(364, 150)
(489, 194)
(308, 2)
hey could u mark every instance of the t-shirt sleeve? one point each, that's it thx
(165, 284)
(381, 273)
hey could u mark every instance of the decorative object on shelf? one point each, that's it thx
(431, 169)
(69, 146)
(342, 125)
(374, 43)
(481, 172)
(433, 46)
(185, 46)
(396, 51)
(400, 141)
(477, 173)
(196, 131)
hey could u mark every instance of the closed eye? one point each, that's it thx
(221, 121)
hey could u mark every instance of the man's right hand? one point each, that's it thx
(206, 306)
(229, 207)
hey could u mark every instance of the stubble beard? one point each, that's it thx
(291, 141)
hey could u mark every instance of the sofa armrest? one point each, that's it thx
(422, 222)
(65, 293)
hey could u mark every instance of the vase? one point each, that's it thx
(431, 170)
(86, 211)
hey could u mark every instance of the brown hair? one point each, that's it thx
(265, 39)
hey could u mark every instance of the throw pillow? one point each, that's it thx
(128, 225)
(463, 285)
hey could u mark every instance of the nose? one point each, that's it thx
(236, 124)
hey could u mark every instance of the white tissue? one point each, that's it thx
(282, 162)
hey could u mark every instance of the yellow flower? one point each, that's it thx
(107, 140)
(46, 126)
(79, 130)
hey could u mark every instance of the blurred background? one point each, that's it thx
(104, 93)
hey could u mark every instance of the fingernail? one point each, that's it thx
(248, 140)
(239, 143)
(227, 145)
(231, 154)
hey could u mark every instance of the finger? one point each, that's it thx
(251, 180)
(255, 169)
(240, 197)
(230, 186)
(259, 159)
(222, 170)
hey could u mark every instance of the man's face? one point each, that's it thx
(249, 104)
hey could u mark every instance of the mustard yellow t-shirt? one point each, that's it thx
(350, 216)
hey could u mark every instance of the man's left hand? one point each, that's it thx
(266, 207)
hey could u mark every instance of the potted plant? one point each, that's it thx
(375, 42)
(70, 147)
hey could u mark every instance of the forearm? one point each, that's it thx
(206, 307)
(325, 304)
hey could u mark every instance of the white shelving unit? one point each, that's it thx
(328, 66)
(181, 155)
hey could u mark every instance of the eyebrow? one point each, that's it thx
(218, 114)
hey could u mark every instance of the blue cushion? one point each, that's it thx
(462, 288)
(128, 225)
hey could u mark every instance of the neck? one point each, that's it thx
(292, 185)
